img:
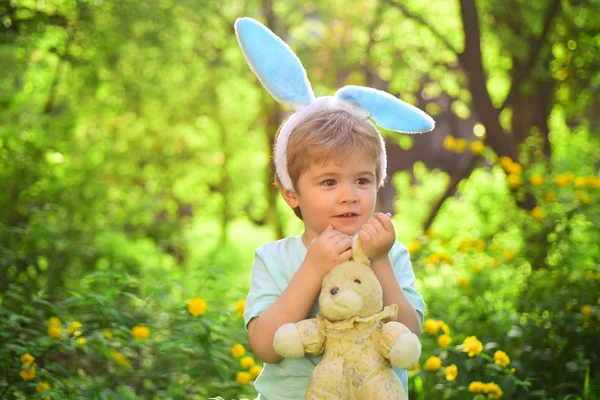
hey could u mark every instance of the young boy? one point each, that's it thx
(333, 161)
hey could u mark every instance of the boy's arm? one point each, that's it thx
(293, 305)
(378, 237)
(393, 294)
(325, 252)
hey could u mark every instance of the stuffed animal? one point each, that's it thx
(359, 347)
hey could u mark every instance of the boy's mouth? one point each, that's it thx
(347, 215)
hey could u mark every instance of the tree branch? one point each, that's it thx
(466, 166)
(533, 55)
(421, 21)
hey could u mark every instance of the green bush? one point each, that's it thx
(117, 345)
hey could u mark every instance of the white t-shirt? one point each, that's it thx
(275, 264)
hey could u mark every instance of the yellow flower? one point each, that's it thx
(433, 259)
(55, 331)
(562, 180)
(247, 362)
(480, 244)
(444, 327)
(451, 372)
(509, 255)
(255, 371)
(537, 180)
(75, 328)
(506, 162)
(433, 363)
(413, 246)
(243, 377)
(537, 213)
(593, 181)
(444, 341)
(431, 326)
(549, 196)
(120, 358)
(415, 367)
(81, 341)
(140, 332)
(501, 359)
(485, 388)
(515, 168)
(449, 142)
(54, 321)
(42, 387)
(181, 381)
(477, 147)
(463, 282)
(460, 145)
(108, 334)
(27, 359)
(586, 310)
(581, 182)
(472, 346)
(240, 306)
(28, 374)
(586, 200)
(514, 180)
(197, 307)
(238, 350)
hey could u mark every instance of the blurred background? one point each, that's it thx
(136, 182)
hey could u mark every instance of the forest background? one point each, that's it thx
(136, 182)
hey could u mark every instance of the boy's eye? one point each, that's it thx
(363, 181)
(328, 182)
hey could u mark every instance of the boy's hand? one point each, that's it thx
(378, 236)
(329, 249)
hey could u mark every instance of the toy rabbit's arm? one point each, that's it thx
(398, 344)
(292, 340)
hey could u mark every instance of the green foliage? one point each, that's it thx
(523, 283)
(133, 173)
(110, 343)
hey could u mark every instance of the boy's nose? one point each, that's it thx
(348, 195)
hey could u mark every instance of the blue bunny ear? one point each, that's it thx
(274, 63)
(386, 110)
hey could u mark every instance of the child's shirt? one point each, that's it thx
(275, 264)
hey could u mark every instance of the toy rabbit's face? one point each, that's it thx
(350, 290)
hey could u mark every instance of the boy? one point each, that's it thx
(332, 161)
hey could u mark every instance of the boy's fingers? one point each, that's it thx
(365, 235)
(342, 240)
(346, 255)
(375, 223)
(370, 229)
(385, 221)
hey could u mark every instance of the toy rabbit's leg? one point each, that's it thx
(327, 382)
(383, 386)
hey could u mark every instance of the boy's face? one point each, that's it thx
(341, 193)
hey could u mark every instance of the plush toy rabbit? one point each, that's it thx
(359, 347)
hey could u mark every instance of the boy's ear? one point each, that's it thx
(291, 198)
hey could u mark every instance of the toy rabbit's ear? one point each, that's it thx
(358, 254)
(274, 63)
(386, 110)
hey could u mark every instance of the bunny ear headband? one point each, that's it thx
(282, 74)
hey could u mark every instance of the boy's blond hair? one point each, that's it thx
(330, 134)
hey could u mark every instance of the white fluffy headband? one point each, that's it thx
(282, 74)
